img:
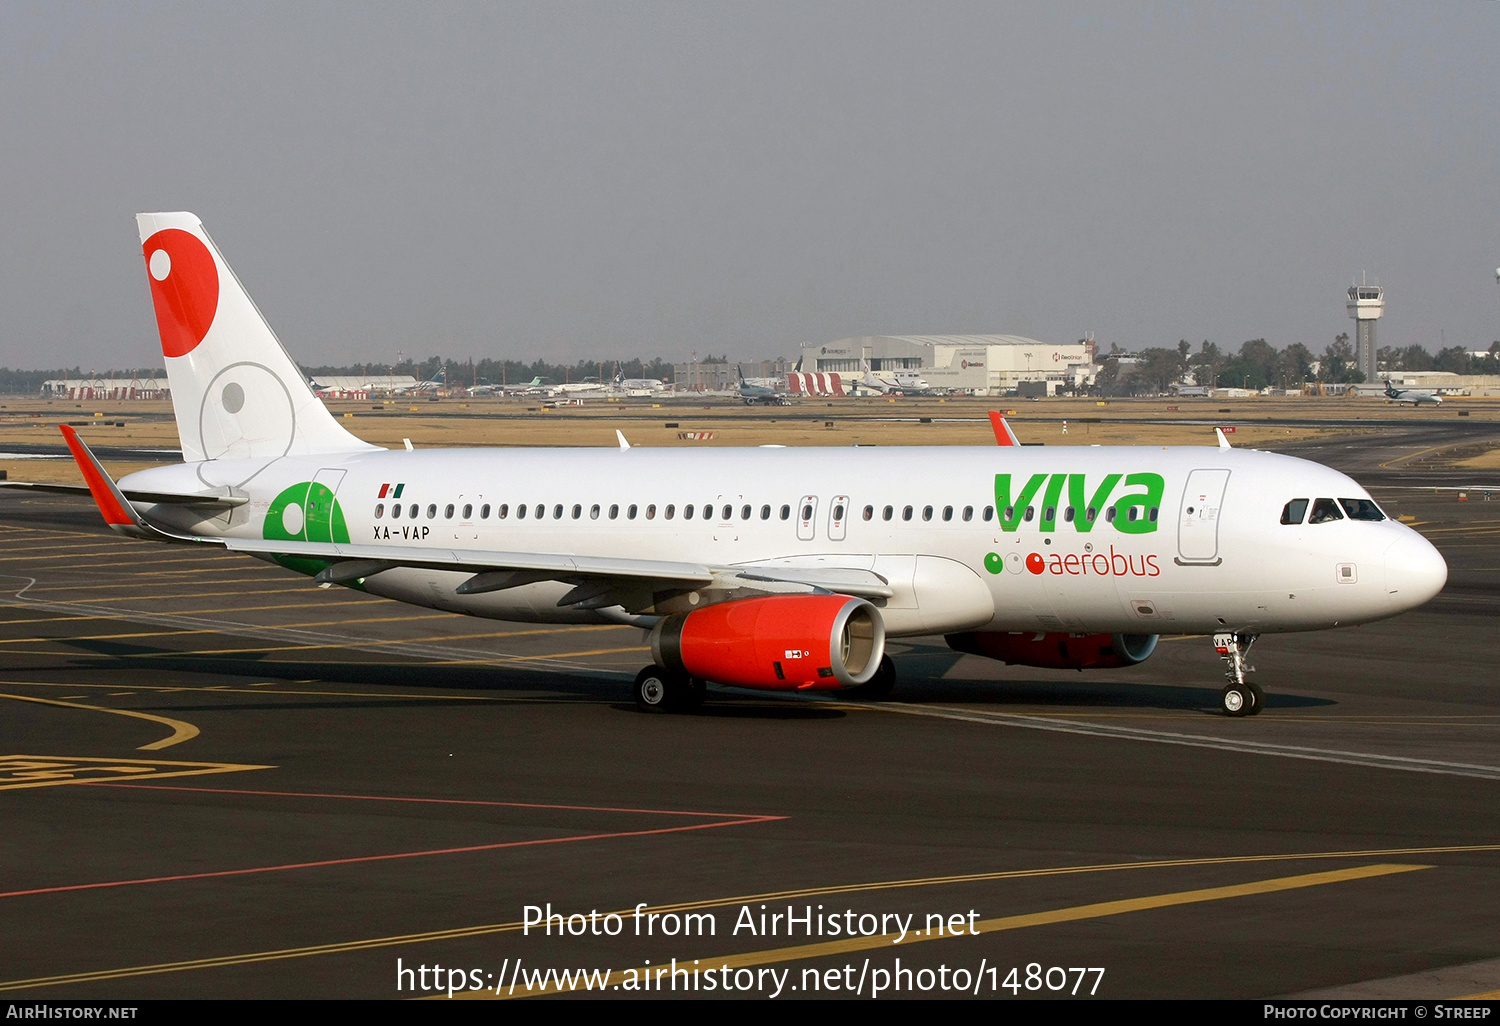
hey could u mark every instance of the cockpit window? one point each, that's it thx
(1362, 509)
(1294, 511)
(1323, 511)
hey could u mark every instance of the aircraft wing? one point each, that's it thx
(598, 581)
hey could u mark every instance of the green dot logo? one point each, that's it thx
(306, 512)
(994, 563)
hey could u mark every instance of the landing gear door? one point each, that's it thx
(838, 517)
(1198, 517)
(807, 513)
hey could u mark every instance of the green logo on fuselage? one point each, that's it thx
(1132, 510)
(305, 512)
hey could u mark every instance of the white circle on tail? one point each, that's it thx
(291, 519)
(161, 265)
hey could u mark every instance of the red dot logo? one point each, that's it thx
(184, 288)
(1035, 563)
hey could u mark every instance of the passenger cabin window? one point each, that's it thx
(727, 513)
(614, 511)
(593, 511)
(651, 511)
(1155, 511)
(1324, 511)
(765, 512)
(968, 513)
(1091, 514)
(887, 513)
(1294, 511)
(926, 512)
(1030, 512)
(379, 510)
(521, 511)
(503, 511)
(1361, 509)
(1049, 514)
(557, 512)
(807, 511)
(745, 512)
(484, 511)
(906, 513)
(669, 511)
(989, 513)
(1010, 512)
(838, 512)
(786, 512)
(396, 511)
(468, 512)
(431, 510)
(1068, 515)
(947, 512)
(687, 511)
(448, 511)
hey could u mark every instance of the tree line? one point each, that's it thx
(1258, 365)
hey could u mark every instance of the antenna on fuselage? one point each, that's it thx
(1223, 442)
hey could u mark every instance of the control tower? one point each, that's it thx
(1366, 304)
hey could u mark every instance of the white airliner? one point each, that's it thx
(1407, 395)
(775, 568)
(901, 382)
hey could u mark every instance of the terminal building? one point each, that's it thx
(975, 364)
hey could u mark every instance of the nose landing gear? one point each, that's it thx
(1239, 697)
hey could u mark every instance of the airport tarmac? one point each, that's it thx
(222, 781)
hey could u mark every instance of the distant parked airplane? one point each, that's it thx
(759, 395)
(1406, 395)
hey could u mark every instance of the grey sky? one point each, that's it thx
(617, 179)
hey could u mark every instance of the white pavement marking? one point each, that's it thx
(1164, 737)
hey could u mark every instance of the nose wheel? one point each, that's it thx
(1239, 697)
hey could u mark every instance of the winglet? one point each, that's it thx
(1223, 442)
(117, 510)
(621, 436)
(1003, 434)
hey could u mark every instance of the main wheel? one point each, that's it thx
(1236, 700)
(878, 686)
(659, 690)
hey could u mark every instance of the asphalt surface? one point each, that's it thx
(217, 780)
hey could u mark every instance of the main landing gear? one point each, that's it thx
(659, 690)
(1239, 697)
(877, 687)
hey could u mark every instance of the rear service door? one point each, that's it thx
(323, 517)
(1198, 517)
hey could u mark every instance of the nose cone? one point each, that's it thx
(1414, 570)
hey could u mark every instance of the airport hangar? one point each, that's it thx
(976, 364)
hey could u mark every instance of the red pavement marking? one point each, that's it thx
(726, 820)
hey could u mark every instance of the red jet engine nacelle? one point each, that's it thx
(1058, 651)
(782, 642)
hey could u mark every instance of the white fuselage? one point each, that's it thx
(1206, 552)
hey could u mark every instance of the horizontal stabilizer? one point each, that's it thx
(196, 500)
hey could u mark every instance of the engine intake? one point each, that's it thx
(785, 642)
(1057, 651)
